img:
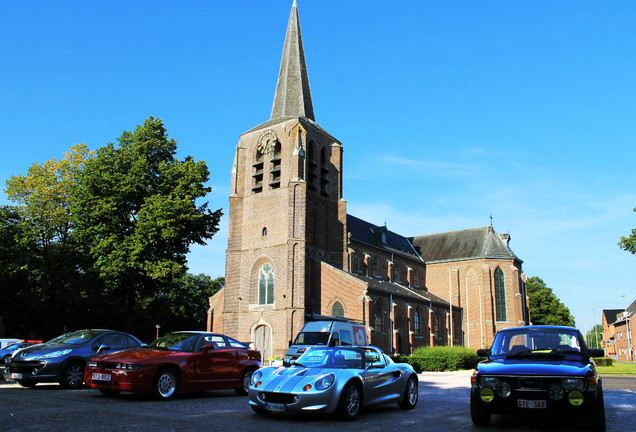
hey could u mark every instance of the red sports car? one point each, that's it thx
(176, 362)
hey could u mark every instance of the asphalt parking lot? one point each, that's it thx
(443, 406)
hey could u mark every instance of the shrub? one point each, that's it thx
(440, 358)
(603, 361)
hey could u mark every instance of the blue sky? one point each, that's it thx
(448, 111)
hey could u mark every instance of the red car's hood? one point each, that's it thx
(142, 355)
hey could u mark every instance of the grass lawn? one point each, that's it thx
(618, 368)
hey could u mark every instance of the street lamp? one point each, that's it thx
(158, 326)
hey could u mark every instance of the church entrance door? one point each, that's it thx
(263, 341)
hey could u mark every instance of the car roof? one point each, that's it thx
(539, 327)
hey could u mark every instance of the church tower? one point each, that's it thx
(286, 213)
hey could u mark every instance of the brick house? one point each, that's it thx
(294, 251)
(609, 342)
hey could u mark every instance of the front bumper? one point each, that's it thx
(136, 381)
(31, 370)
(325, 401)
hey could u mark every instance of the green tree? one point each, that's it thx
(184, 306)
(134, 208)
(629, 243)
(594, 337)
(545, 307)
(38, 235)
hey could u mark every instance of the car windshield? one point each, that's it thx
(528, 341)
(334, 358)
(176, 342)
(77, 337)
(312, 338)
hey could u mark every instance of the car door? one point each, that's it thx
(380, 380)
(215, 365)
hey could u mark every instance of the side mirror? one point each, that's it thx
(594, 352)
(290, 344)
(102, 348)
(483, 353)
(207, 348)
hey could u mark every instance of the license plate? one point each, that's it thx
(532, 404)
(16, 376)
(275, 407)
(101, 377)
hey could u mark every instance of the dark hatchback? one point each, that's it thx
(64, 358)
(538, 370)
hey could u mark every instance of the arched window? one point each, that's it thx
(337, 310)
(436, 325)
(266, 285)
(417, 328)
(500, 295)
(378, 317)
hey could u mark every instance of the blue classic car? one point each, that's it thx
(339, 380)
(538, 370)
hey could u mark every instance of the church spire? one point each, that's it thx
(293, 97)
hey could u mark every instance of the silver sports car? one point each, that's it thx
(340, 379)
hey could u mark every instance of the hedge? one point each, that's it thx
(440, 358)
(603, 361)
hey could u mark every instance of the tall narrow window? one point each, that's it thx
(274, 170)
(324, 172)
(337, 310)
(417, 328)
(355, 264)
(436, 325)
(266, 285)
(312, 167)
(378, 317)
(500, 295)
(257, 172)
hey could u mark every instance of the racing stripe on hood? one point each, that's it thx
(288, 379)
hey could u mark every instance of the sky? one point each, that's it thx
(448, 111)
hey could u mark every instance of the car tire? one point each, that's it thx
(29, 384)
(246, 380)
(165, 385)
(6, 358)
(109, 392)
(478, 414)
(350, 402)
(72, 376)
(596, 418)
(411, 394)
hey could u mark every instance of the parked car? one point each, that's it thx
(7, 352)
(8, 341)
(176, 362)
(63, 359)
(340, 380)
(538, 370)
(326, 332)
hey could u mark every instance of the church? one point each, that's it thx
(294, 253)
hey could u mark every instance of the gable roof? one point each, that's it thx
(610, 315)
(464, 244)
(379, 237)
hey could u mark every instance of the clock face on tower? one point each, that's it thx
(266, 141)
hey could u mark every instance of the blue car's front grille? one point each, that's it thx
(285, 398)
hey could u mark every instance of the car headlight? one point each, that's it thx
(256, 376)
(92, 364)
(490, 382)
(325, 382)
(125, 366)
(556, 392)
(53, 354)
(573, 383)
(503, 389)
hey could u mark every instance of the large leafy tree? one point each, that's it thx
(135, 210)
(629, 243)
(545, 307)
(46, 274)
